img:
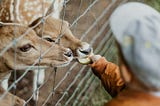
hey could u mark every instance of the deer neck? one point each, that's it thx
(22, 11)
(7, 10)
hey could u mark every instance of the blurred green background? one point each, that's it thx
(153, 3)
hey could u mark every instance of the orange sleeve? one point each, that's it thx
(109, 74)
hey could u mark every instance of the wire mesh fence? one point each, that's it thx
(75, 84)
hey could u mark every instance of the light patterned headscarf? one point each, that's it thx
(136, 27)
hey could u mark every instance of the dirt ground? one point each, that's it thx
(73, 9)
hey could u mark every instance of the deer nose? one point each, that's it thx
(84, 50)
(68, 53)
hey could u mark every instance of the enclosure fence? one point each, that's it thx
(80, 85)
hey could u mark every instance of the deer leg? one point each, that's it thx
(39, 76)
(4, 83)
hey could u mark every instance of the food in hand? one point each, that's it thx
(84, 61)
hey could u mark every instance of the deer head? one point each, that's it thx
(28, 49)
(53, 28)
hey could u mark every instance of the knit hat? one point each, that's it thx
(136, 28)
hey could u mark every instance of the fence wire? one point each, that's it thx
(81, 88)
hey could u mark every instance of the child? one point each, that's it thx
(136, 28)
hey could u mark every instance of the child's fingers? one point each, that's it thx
(94, 58)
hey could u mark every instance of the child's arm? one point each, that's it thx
(108, 73)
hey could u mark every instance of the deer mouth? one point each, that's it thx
(61, 63)
(68, 57)
(84, 52)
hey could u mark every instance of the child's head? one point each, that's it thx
(137, 30)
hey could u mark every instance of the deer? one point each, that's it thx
(28, 49)
(51, 30)
(53, 27)
(22, 11)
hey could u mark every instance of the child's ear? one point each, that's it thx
(125, 73)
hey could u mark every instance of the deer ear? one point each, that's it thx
(35, 22)
(50, 9)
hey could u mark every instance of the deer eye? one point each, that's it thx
(25, 48)
(49, 39)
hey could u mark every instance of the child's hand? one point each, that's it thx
(94, 58)
(89, 60)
